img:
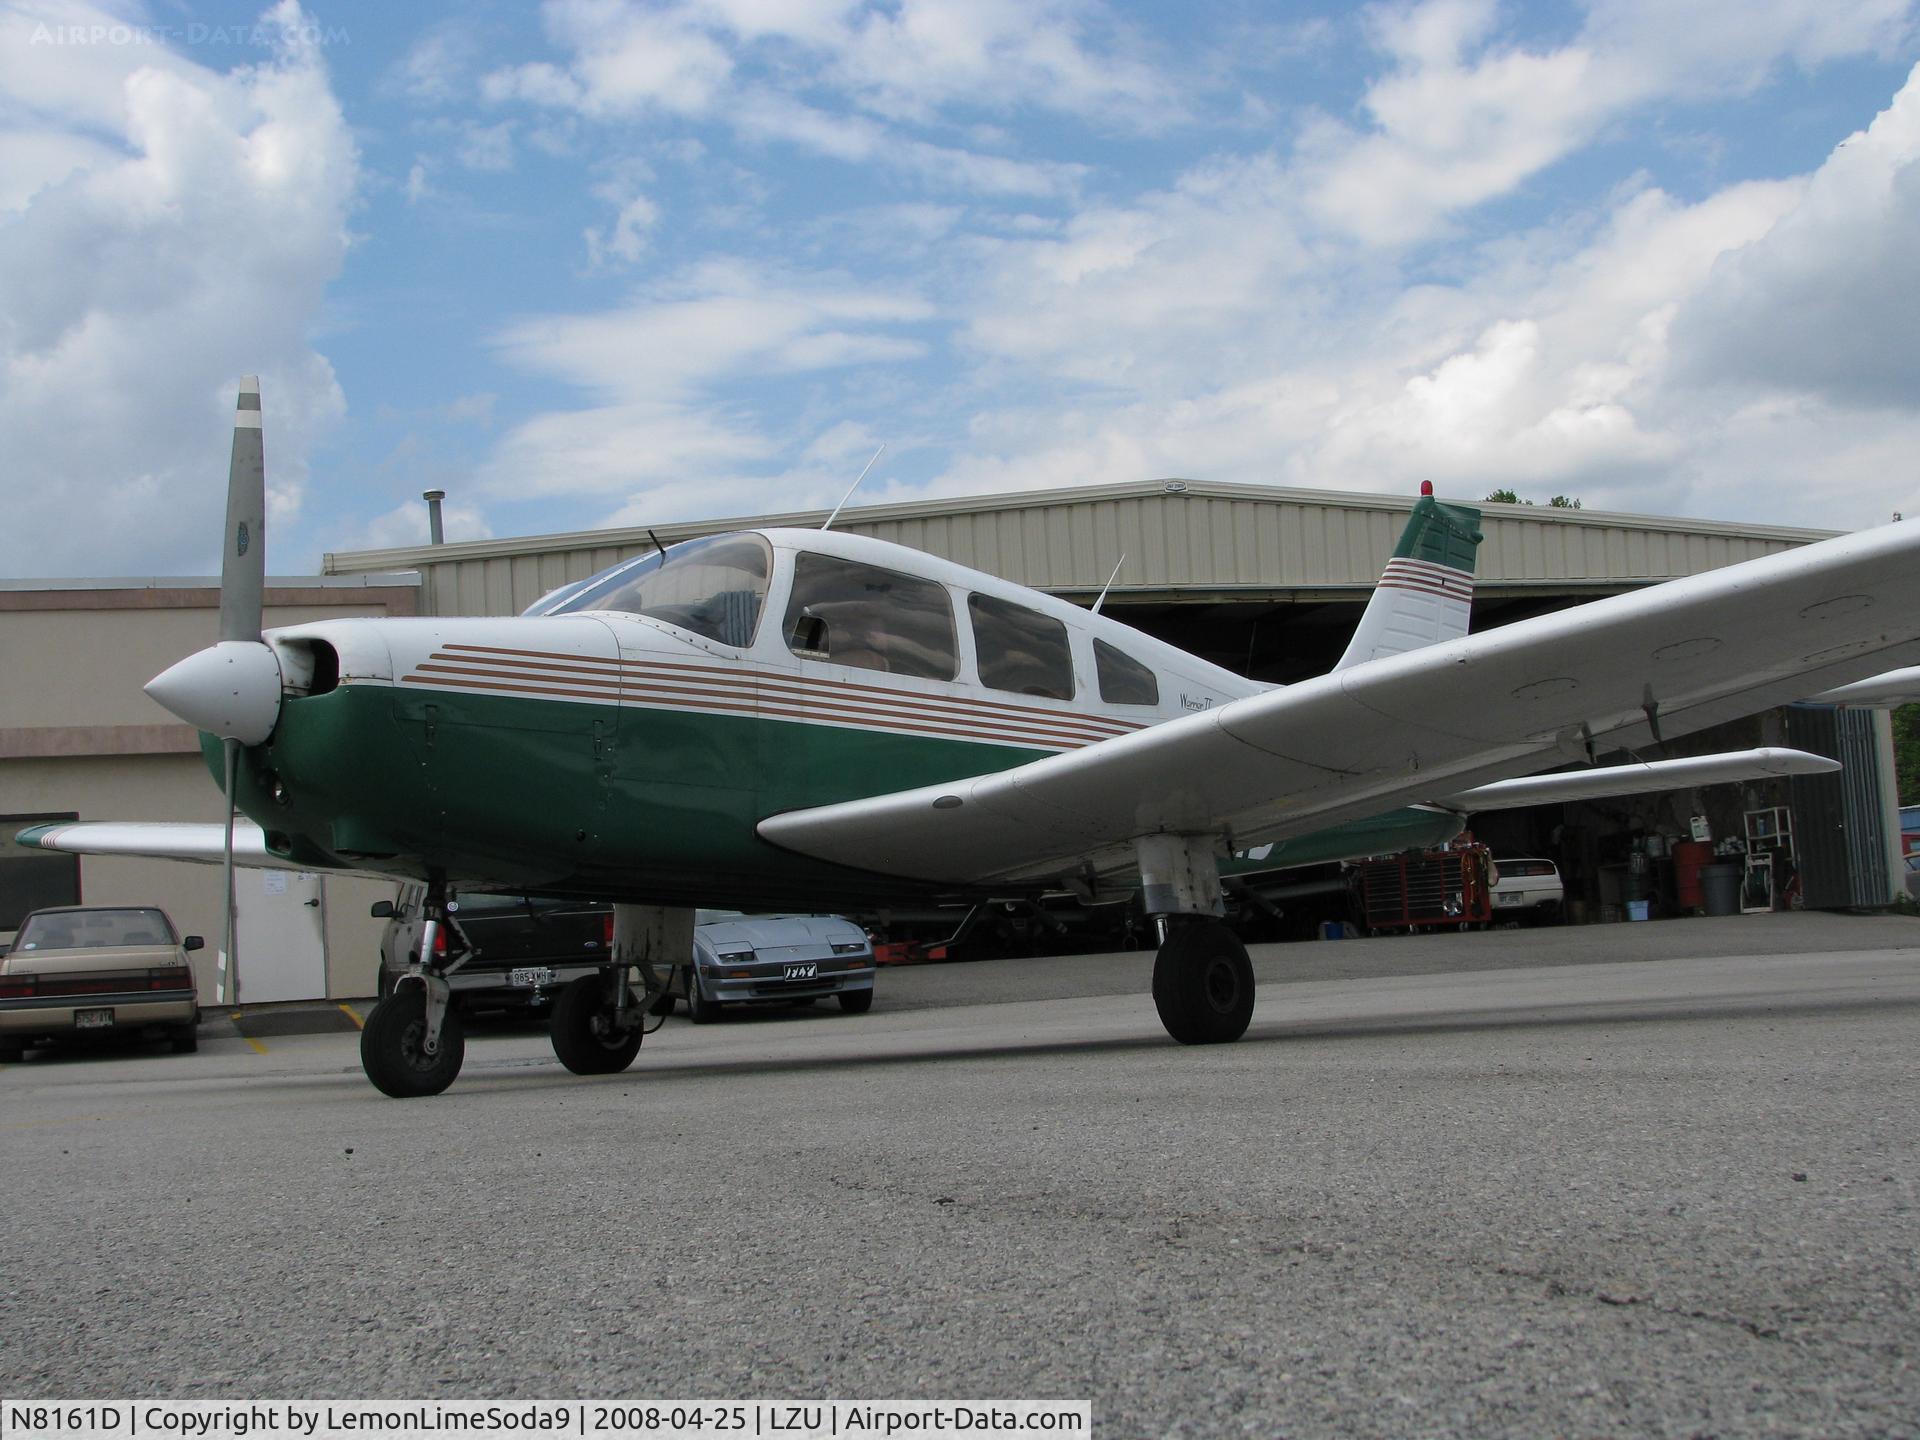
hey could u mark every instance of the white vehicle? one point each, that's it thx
(1528, 888)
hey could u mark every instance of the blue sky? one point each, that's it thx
(597, 262)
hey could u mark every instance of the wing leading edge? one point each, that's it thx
(1433, 722)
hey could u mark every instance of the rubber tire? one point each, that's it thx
(579, 1047)
(12, 1052)
(856, 1002)
(390, 1046)
(1203, 984)
(186, 1039)
(700, 1010)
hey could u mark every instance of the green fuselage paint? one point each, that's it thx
(655, 806)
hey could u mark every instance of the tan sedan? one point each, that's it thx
(93, 970)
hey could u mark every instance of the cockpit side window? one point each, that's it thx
(875, 619)
(1123, 679)
(1020, 649)
(714, 587)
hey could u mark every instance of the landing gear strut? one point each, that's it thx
(599, 1020)
(1202, 979)
(413, 1043)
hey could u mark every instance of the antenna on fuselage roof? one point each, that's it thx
(1109, 585)
(850, 489)
(657, 545)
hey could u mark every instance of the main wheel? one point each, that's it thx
(700, 1010)
(856, 1002)
(393, 1041)
(584, 1034)
(1203, 983)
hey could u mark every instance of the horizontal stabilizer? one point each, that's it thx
(1877, 692)
(1766, 763)
(201, 844)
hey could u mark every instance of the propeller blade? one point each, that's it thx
(243, 563)
(232, 748)
(232, 688)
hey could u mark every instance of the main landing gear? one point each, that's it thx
(1202, 979)
(599, 1020)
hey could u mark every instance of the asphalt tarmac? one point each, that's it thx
(1626, 1180)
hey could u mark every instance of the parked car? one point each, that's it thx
(97, 969)
(774, 959)
(1527, 888)
(1913, 875)
(527, 947)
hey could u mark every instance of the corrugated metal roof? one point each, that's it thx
(1180, 538)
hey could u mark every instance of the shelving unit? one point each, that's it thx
(1769, 833)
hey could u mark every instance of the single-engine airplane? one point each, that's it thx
(804, 719)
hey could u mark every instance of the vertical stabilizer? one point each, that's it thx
(1426, 592)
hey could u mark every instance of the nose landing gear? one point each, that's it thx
(413, 1043)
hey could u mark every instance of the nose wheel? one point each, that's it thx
(413, 1043)
(394, 1049)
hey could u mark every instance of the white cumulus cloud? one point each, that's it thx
(190, 244)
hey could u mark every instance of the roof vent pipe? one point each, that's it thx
(435, 534)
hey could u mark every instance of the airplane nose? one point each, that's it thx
(231, 690)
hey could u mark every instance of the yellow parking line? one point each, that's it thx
(353, 1015)
(258, 1048)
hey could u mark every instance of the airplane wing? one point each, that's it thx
(202, 844)
(1406, 728)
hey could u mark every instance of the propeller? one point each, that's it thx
(232, 689)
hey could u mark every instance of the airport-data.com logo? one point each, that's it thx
(262, 37)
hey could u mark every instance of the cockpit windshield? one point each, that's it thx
(714, 587)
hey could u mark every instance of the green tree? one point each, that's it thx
(1906, 753)
(1558, 502)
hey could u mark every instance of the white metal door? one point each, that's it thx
(283, 948)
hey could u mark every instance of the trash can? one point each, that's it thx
(1720, 889)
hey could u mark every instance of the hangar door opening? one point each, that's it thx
(283, 947)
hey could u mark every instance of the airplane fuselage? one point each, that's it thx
(596, 751)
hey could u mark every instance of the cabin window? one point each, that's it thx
(872, 619)
(713, 587)
(1020, 649)
(1123, 679)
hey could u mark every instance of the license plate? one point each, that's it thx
(802, 972)
(92, 1019)
(530, 977)
(1506, 899)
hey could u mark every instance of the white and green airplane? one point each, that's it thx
(782, 719)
